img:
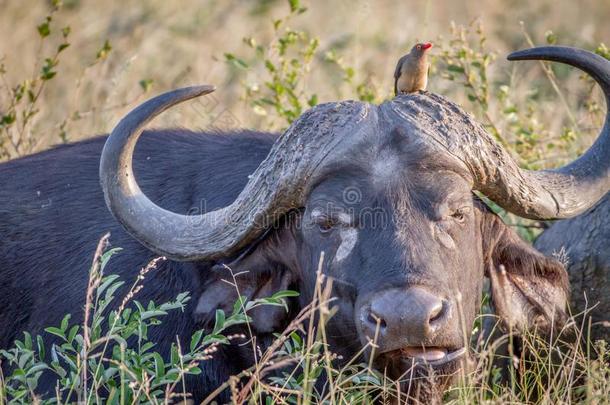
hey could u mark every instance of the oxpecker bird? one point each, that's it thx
(411, 73)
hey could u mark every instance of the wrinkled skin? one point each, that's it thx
(584, 243)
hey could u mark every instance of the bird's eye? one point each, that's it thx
(418, 47)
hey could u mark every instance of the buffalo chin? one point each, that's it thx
(420, 379)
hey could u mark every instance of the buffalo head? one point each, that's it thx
(386, 192)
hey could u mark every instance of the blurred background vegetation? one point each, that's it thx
(120, 50)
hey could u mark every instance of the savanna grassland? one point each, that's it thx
(69, 70)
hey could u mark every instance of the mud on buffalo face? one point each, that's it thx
(386, 192)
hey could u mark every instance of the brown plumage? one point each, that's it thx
(411, 73)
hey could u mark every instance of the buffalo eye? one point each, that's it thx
(325, 224)
(326, 221)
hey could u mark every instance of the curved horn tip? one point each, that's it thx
(190, 91)
(530, 53)
(516, 55)
(552, 52)
(204, 89)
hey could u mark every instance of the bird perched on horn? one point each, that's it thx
(411, 73)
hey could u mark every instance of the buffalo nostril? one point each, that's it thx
(375, 320)
(436, 312)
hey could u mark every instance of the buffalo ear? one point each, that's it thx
(270, 318)
(529, 291)
(254, 276)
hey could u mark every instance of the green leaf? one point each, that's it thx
(146, 347)
(25, 358)
(73, 331)
(107, 255)
(44, 29)
(296, 340)
(54, 358)
(110, 372)
(40, 346)
(603, 51)
(194, 370)
(285, 294)
(27, 340)
(295, 5)
(219, 323)
(237, 319)
(214, 338)
(103, 52)
(181, 300)
(269, 66)
(239, 304)
(151, 314)
(251, 42)
(47, 74)
(111, 290)
(195, 339)
(55, 331)
(455, 68)
(159, 365)
(64, 322)
(63, 46)
(146, 84)
(36, 368)
(8, 119)
(235, 61)
(106, 281)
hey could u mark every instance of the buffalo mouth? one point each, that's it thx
(430, 355)
(421, 360)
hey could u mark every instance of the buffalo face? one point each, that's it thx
(407, 246)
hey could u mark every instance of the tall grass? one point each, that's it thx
(109, 358)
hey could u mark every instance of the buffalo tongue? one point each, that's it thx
(428, 354)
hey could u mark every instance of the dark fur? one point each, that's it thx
(52, 214)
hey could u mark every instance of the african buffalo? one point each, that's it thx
(270, 205)
(584, 243)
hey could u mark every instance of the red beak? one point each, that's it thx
(426, 46)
